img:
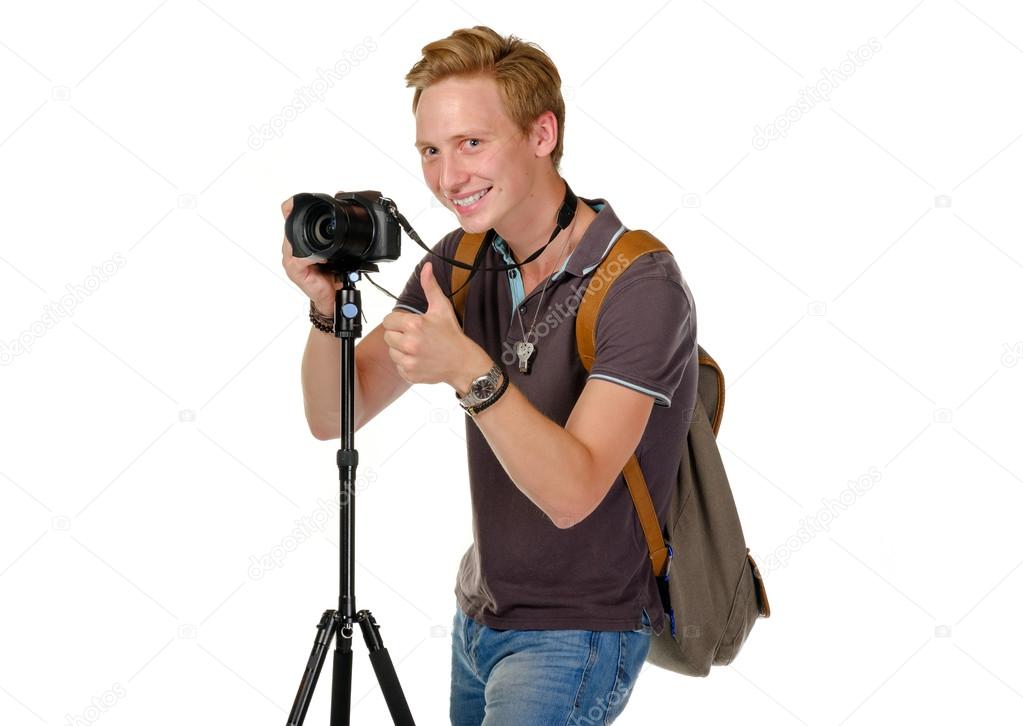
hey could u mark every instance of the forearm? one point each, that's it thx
(545, 461)
(321, 385)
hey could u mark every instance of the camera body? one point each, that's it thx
(350, 231)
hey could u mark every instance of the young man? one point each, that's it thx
(556, 599)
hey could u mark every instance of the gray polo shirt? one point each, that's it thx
(521, 571)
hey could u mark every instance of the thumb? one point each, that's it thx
(435, 297)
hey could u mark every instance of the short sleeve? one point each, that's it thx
(412, 298)
(646, 335)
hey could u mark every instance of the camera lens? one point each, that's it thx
(320, 226)
(323, 232)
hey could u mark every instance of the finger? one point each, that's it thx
(428, 281)
(287, 205)
(397, 357)
(397, 320)
(393, 340)
(299, 263)
(435, 297)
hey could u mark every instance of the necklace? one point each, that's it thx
(525, 349)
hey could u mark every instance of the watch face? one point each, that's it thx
(483, 388)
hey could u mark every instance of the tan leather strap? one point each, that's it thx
(626, 250)
(719, 376)
(468, 247)
(647, 515)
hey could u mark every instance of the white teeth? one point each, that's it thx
(470, 200)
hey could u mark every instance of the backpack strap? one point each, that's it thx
(655, 544)
(627, 249)
(711, 388)
(469, 247)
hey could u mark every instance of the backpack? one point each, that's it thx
(711, 590)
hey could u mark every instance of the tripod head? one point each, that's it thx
(348, 303)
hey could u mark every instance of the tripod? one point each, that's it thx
(340, 622)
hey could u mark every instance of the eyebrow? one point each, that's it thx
(471, 133)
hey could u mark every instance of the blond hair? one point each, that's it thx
(527, 79)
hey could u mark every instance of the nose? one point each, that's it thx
(453, 175)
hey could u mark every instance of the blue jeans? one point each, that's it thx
(542, 677)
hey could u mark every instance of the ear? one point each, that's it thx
(544, 135)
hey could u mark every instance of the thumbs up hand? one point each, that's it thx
(432, 348)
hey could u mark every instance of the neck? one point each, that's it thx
(535, 220)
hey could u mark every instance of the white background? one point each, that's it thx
(858, 279)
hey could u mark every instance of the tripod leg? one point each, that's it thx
(324, 633)
(341, 694)
(384, 669)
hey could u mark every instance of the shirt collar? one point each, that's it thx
(592, 248)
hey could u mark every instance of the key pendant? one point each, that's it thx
(525, 353)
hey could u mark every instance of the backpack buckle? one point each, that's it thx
(662, 589)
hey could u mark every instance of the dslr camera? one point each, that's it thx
(351, 231)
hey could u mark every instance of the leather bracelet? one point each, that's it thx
(319, 320)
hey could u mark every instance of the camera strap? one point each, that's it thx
(565, 215)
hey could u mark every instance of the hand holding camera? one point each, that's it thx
(311, 278)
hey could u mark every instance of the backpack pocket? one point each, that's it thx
(744, 612)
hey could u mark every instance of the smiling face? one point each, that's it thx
(469, 146)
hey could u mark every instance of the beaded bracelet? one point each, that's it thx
(319, 320)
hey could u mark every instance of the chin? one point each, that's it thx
(474, 224)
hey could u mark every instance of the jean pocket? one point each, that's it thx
(647, 628)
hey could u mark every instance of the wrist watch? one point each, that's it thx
(483, 391)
